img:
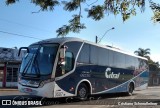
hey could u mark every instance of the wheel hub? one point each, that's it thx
(82, 92)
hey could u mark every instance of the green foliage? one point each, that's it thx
(143, 52)
(156, 10)
(153, 66)
(96, 11)
(72, 5)
(46, 4)
(124, 7)
(74, 26)
(11, 1)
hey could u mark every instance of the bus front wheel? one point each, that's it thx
(82, 92)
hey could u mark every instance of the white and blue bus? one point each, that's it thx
(72, 67)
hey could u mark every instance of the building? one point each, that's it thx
(9, 66)
(154, 78)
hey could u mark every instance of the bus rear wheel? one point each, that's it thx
(82, 92)
(130, 89)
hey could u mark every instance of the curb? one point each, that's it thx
(153, 86)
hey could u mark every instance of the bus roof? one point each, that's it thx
(59, 40)
(68, 39)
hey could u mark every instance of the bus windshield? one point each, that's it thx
(39, 60)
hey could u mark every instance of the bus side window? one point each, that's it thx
(69, 61)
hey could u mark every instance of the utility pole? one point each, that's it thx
(96, 39)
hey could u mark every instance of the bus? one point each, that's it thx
(72, 67)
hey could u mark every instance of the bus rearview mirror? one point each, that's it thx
(63, 52)
(26, 48)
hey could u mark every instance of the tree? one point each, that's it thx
(153, 66)
(143, 52)
(96, 11)
(156, 10)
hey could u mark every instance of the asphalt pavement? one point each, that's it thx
(149, 98)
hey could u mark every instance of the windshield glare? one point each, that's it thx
(39, 60)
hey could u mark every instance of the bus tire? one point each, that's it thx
(130, 89)
(82, 92)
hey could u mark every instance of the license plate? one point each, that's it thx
(28, 90)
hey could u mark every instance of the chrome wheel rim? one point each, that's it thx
(82, 92)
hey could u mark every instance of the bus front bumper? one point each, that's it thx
(46, 91)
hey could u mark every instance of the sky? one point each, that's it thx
(137, 32)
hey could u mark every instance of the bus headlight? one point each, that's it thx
(45, 82)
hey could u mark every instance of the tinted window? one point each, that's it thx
(143, 64)
(84, 54)
(94, 55)
(136, 63)
(119, 60)
(69, 61)
(103, 57)
(130, 62)
(73, 47)
(111, 56)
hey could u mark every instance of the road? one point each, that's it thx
(148, 98)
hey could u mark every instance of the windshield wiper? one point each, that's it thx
(28, 64)
(37, 70)
(36, 62)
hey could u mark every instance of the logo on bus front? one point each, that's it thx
(110, 74)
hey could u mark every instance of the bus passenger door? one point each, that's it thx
(65, 63)
(67, 55)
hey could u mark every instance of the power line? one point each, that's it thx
(23, 25)
(19, 35)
